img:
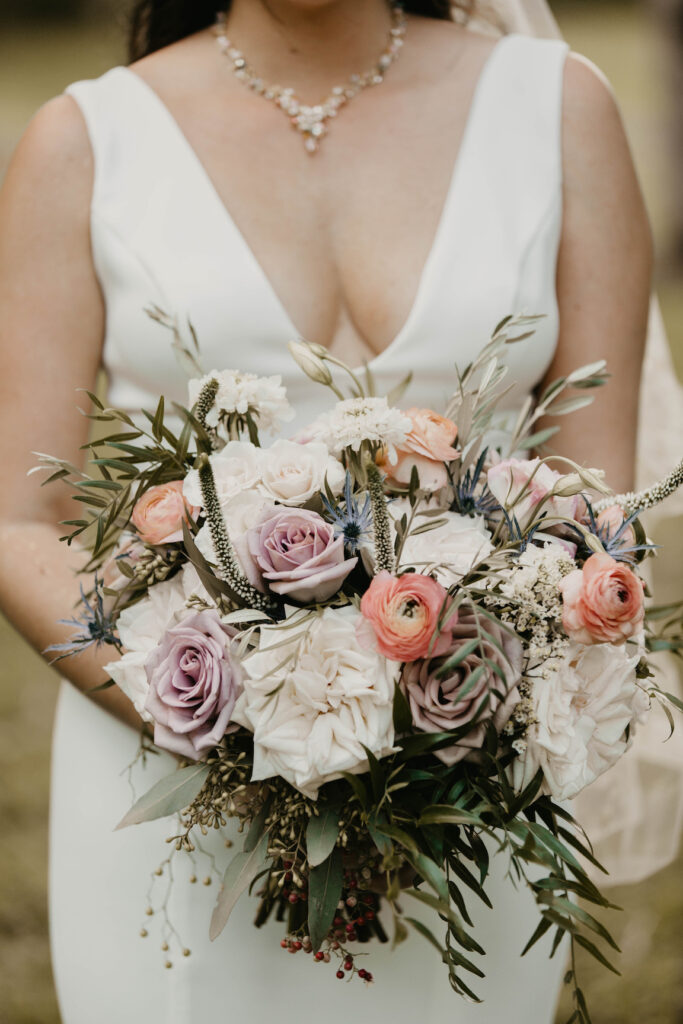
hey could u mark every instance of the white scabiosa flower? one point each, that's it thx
(314, 698)
(583, 704)
(356, 420)
(239, 393)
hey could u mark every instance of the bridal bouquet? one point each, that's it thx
(387, 645)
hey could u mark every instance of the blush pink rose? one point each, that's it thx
(408, 616)
(158, 515)
(427, 446)
(603, 602)
(523, 486)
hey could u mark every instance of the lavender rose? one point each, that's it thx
(451, 702)
(194, 681)
(297, 554)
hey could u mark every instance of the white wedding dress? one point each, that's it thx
(161, 235)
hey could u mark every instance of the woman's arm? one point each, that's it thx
(51, 330)
(604, 276)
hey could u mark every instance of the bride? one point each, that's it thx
(473, 177)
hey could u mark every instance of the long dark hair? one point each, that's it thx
(158, 23)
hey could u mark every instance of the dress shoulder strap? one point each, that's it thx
(120, 136)
(521, 122)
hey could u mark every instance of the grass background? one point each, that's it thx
(35, 64)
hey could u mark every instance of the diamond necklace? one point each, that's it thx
(312, 122)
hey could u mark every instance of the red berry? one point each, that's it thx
(369, 915)
(348, 965)
(284, 943)
(298, 945)
(362, 973)
(352, 936)
(349, 927)
(287, 864)
(337, 921)
(340, 974)
(319, 956)
(288, 876)
(293, 898)
(353, 884)
(368, 976)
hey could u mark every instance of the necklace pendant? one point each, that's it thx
(311, 123)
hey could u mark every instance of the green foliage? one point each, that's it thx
(171, 794)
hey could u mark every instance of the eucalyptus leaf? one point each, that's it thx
(241, 871)
(321, 834)
(324, 890)
(169, 795)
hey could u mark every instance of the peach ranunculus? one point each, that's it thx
(407, 617)
(603, 602)
(158, 515)
(428, 445)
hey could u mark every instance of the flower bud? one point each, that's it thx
(310, 359)
(574, 483)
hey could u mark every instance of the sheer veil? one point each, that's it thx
(634, 814)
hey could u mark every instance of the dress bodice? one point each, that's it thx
(162, 236)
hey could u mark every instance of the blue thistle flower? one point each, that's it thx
(614, 541)
(466, 500)
(352, 522)
(94, 627)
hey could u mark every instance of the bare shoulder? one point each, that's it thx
(592, 124)
(53, 155)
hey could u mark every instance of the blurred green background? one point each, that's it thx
(44, 45)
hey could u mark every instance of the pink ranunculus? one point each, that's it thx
(603, 602)
(427, 446)
(297, 555)
(611, 520)
(158, 515)
(523, 486)
(408, 616)
(194, 680)
(455, 701)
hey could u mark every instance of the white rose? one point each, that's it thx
(450, 550)
(582, 706)
(236, 468)
(334, 697)
(292, 473)
(142, 626)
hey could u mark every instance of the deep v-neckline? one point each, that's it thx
(223, 211)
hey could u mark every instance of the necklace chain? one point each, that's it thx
(312, 122)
